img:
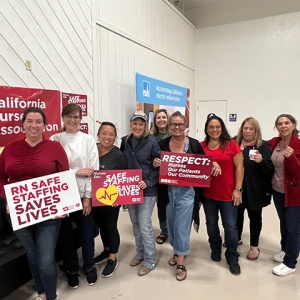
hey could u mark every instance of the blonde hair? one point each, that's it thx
(258, 136)
(154, 131)
(146, 130)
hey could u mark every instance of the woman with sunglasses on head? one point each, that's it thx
(182, 202)
(257, 187)
(83, 158)
(140, 148)
(225, 191)
(106, 217)
(25, 159)
(160, 131)
(286, 191)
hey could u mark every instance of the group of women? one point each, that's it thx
(246, 172)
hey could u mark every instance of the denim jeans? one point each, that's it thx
(69, 247)
(39, 241)
(140, 216)
(279, 205)
(292, 214)
(179, 217)
(229, 220)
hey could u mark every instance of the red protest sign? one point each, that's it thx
(185, 169)
(15, 100)
(116, 187)
(80, 100)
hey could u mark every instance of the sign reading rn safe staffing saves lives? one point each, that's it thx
(116, 187)
(185, 169)
(40, 199)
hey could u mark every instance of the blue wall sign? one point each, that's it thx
(232, 117)
(150, 90)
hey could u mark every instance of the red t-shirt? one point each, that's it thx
(222, 186)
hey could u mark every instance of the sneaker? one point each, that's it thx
(235, 269)
(102, 257)
(278, 257)
(215, 256)
(110, 268)
(144, 271)
(72, 280)
(283, 270)
(91, 276)
(136, 261)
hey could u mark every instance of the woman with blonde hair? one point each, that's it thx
(257, 187)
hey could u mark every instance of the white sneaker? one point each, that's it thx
(278, 257)
(283, 270)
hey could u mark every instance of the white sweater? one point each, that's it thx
(82, 153)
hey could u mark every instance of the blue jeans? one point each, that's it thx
(229, 220)
(39, 241)
(179, 217)
(140, 216)
(278, 199)
(69, 247)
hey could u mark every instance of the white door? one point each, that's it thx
(205, 107)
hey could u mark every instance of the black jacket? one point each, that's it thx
(163, 199)
(141, 157)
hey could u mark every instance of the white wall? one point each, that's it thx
(145, 36)
(254, 65)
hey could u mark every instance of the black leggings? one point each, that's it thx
(255, 217)
(106, 217)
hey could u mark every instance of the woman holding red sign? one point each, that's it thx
(25, 159)
(106, 217)
(225, 191)
(181, 202)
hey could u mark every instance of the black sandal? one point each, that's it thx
(179, 270)
(173, 260)
(161, 238)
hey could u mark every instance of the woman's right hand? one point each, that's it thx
(7, 209)
(216, 169)
(156, 162)
(86, 172)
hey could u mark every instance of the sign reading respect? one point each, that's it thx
(40, 199)
(116, 187)
(185, 169)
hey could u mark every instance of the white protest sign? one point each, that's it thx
(42, 198)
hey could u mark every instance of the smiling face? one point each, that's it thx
(107, 136)
(285, 127)
(34, 126)
(214, 129)
(248, 132)
(161, 121)
(177, 126)
(72, 121)
(138, 127)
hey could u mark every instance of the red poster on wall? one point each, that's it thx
(15, 100)
(80, 100)
(185, 169)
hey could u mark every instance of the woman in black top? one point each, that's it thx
(106, 217)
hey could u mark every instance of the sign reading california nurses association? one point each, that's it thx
(185, 169)
(40, 199)
(115, 187)
(15, 100)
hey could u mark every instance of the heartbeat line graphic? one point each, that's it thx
(106, 195)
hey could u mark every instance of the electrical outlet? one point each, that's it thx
(28, 65)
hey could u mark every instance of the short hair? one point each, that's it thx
(71, 108)
(292, 119)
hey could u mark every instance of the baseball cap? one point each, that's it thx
(139, 114)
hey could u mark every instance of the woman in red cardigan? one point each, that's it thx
(286, 192)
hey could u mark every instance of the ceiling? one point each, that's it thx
(193, 4)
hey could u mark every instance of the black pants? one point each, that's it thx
(106, 217)
(255, 217)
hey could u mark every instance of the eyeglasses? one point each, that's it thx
(70, 117)
(179, 125)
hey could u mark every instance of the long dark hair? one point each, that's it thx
(107, 124)
(292, 119)
(225, 136)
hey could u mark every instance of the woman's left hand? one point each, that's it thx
(142, 185)
(216, 169)
(86, 206)
(288, 151)
(237, 198)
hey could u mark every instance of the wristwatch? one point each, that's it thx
(239, 189)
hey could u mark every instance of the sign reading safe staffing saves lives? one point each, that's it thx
(185, 169)
(116, 187)
(40, 199)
